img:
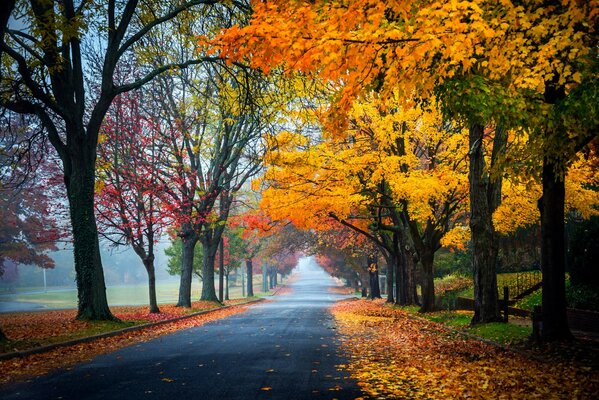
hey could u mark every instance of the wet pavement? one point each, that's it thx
(285, 348)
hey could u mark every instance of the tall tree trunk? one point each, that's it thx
(250, 277)
(400, 281)
(221, 269)
(264, 278)
(189, 240)
(427, 259)
(149, 264)
(91, 288)
(412, 292)
(484, 246)
(227, 286)
(390, 259)
(210, 248)
(373, 275)
(551, 205)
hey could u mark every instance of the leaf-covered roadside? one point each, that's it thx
(37, 364)
(393, 355)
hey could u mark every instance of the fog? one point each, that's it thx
(121, 267)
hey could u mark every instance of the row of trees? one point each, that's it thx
(150, 131)
(516, 83)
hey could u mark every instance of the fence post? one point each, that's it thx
(506, 304)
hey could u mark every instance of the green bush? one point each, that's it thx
(453, 262)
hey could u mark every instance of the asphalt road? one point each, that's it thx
(282, 349)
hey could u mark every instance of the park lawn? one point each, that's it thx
(118, 295)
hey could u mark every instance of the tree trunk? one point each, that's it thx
(484, 246)
(427, 259)
(3, 337)
(412, 292)
(264, 278)
(390, 279)
(551, 205)
(149, 264)
(91, 288)
(373, 275)
(250, 277)
(227, 286)
(189, 240)
(221, 269)
(208, 289)
(400, 281)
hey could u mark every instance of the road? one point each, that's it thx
(285, 348)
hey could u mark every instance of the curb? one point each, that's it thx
(87, 339)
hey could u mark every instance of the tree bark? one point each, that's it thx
(250, 277)
(428, 283)
(391, 265)
(264, 278)
(373, 278)
(189, 239)
(551, 206)
(227, 286)
(149, 264)
(484, 246)
(208, 289)
(80, 183)
(221, 269)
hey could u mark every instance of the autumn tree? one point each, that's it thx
(544, 50)
(129, 202)
(44, 74)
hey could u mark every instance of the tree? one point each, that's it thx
(129, 202)
(51, 41)
(174, 251)
(548, 56)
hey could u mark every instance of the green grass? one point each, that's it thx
(496, 331)
(166, 293)
(530, 301)
(500, 332)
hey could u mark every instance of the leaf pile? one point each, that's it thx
(32, 329)
(38, 364)
(393, 355)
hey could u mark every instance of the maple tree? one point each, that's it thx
(543, 60)
(399, 180)
(129, 203)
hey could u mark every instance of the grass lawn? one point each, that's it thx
(166, 293)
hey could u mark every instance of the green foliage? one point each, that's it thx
(476, 99)
(173, 252)
(458, 262)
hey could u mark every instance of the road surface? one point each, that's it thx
(281, 349)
